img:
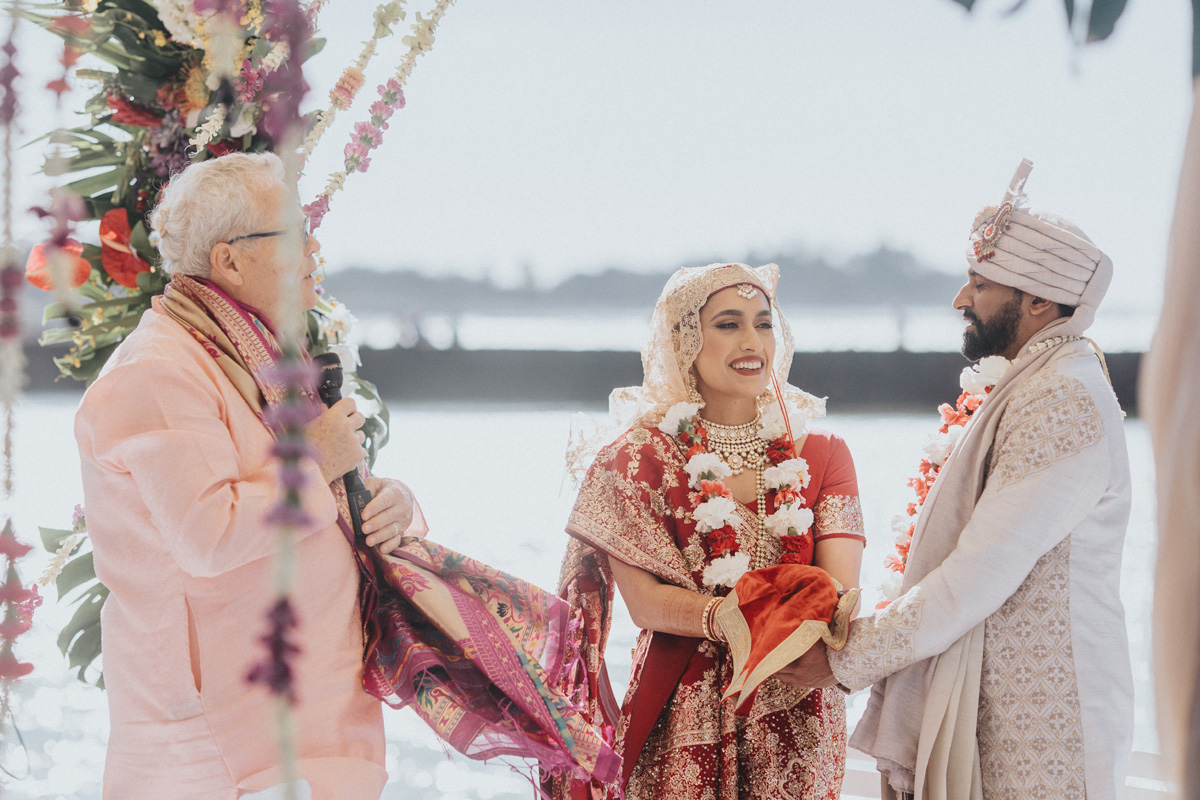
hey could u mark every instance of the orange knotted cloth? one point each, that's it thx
(773, 616)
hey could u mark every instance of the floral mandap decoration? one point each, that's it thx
(976, 382)
(178, 82)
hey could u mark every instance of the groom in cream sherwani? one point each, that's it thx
(1002, 670)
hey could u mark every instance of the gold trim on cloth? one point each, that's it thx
(838, 513)
(737, 633)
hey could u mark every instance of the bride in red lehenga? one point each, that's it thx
(709, 479)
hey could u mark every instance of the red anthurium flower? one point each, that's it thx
(11, 668)
(72, 25)
(129, 113)
(37, 269)
(223, 147)
(116, 255)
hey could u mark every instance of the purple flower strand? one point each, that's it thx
(293, 448)
(291, 415)
(301, 374)
(275, 671)
(366, 137)
(8, 77)
(289, 516)
(285, 86)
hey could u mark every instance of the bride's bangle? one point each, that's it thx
(706, 619)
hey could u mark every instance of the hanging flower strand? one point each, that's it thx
(369, 135)
(342, 94)
(282, 126)
(17, 601)
(976, 383)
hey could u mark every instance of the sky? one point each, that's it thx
(551, 137)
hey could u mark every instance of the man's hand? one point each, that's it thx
(810, 670)
(338, 440)
(388, 515)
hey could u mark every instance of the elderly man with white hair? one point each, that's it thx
(1002, 671)
(178, 479)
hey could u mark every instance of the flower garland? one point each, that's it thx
(351, 80)
(18, 601)
(369, 135)
(976, 383)
(713, 506)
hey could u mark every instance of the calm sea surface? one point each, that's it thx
(491, 483)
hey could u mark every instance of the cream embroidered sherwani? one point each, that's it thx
(1038, 564)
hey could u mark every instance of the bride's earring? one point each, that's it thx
(694, 396)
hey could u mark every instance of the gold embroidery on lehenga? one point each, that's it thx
(838, 513)
(610, 513)
(1030, 723)
(638, 436)
(1050, 418)
(792, 744)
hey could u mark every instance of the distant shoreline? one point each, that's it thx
(853, 381)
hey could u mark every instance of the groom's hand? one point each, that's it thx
(810, 670)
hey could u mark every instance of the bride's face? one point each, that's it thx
(734, 363)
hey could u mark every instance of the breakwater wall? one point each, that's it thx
(853, 381)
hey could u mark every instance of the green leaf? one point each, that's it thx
(80, 639)
(86, 616)
(84, 160)
(94, 74)
(78, 571)
(139, 240)
(1103, 18)
(52, 538)
(94, 184)
(312, 47)
(55, 336)
(142, 87)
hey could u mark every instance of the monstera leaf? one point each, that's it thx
(79, 639)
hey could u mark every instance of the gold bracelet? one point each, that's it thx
(705, 619)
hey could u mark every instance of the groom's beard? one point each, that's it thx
(997, 335)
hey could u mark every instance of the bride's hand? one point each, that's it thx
(810, 670)
(388, 515)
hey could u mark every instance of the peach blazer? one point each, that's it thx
(177, 476)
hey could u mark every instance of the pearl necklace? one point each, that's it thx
(1045, 344)
(739, 446)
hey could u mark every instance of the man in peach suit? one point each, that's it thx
(178, 477)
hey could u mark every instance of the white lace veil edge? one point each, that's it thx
(675, 341)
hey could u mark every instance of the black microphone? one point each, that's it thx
(330, 391)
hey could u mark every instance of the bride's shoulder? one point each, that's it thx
(639, 443)
(823, 440)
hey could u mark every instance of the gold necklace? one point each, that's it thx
(739, 446)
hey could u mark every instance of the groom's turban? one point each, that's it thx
(1038, 253)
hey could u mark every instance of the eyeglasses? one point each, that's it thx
(265, 234)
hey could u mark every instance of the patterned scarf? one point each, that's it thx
(476, 652)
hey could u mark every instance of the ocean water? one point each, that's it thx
(491, 483)
(828, 328)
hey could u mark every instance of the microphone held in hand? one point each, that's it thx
(330, 391)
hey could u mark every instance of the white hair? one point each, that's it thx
(209, 203)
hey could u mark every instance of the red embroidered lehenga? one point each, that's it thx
(677, 738)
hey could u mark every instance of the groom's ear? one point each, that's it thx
(1039, 306)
